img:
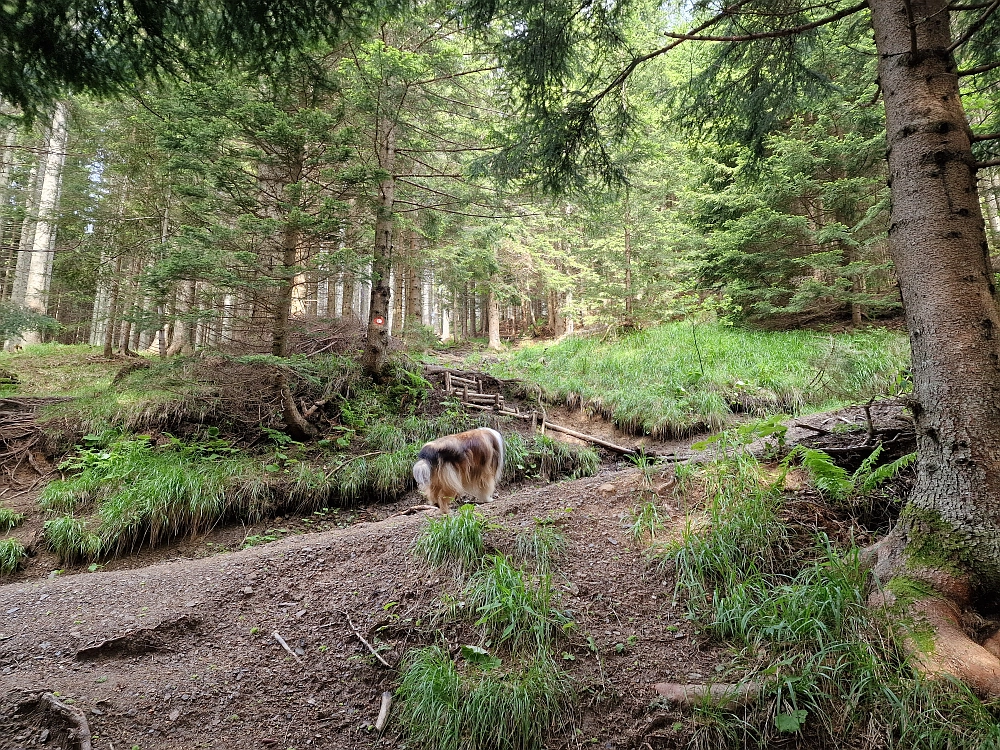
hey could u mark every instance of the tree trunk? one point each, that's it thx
(493, 305)
(628, 256)
(40, 266)
(376, 354)
(182, 341)
(948, 536)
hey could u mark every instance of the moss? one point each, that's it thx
(907, 590)
(935, 543)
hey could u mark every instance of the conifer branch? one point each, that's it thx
(792, 31)
(974, 26)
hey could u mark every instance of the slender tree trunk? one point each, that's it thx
(276, 179)
(628, 255)
(948, 535)
(493, 306)
(40, 266)
(398, 284)
(376, 354)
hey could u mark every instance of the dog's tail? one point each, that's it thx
(499, 447)
(422, 473)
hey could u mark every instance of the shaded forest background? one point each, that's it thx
(238, 211)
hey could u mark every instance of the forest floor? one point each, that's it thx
(177, 647)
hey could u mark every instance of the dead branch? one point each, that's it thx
(383, 714)
(80, 733)
(369, 646)
(818, 430)
(285, 646)
(298, 427)
(591, 439)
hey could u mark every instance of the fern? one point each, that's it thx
(886, 472)
(834, 481)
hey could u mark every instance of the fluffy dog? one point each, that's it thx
(468, 463)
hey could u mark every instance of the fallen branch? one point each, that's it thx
(285, 646)
(383, 714)
(589, 438)
(818, 430)
(80, 733)
(369, 646)
(414, 509)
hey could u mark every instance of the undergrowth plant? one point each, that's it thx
(9, 519)
(540, 544)
(479, 704)
(12, 553)
(821, 664)
(456, 539)
(835, 481)
(509, 608)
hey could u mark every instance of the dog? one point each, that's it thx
(468, 463)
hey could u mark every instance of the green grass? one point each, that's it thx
(653, 382)
(647, 519)
(484, 705)
(9, 519)
(512, 609)
(826, 666)
(540, 545)
(12, 552)
(47, 370)
(455, 539)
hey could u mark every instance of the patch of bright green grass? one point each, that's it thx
(12, 552)
(479, 705)
(46, 370)
(9, 519)
(455, 539)
(654, 382)
(512, 609)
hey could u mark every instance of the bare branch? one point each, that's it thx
(985, 164)
(976, 138)
(986, 68)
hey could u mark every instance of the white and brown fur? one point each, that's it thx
(468, 463)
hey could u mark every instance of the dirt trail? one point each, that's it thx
(181, 654)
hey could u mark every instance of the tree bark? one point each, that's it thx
(948, 535)
(376, 353)
(40, 266)
(493, 308)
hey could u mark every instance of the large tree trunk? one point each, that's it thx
(43, 242)
(376, 353)
(948, 536)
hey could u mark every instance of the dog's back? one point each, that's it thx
(469, 463)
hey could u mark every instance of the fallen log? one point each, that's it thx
(80, 732)
(719, 693)
(589, 438)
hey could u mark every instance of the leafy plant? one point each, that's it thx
(834, 481)
(541, 544)
(9, 519)
(647, 519)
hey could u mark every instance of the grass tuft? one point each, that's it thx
(12, 553)
(540, 545)
(478, 706)
(455, 539)
(509, 609)
(9, 519)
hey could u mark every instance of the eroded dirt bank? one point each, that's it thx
(181, 654)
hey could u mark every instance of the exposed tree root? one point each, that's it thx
(934, 635)
(719, 693)
(80, 729)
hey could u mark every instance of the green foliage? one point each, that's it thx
(834, 481)
(825, 664)
(12, 553)
(16, 320)
(455, 539)
(540, 544)
(9, 519)
(545, 458)
(652, 382)
(647, 519)
(509, 609)
(137, 494)
(480, 705)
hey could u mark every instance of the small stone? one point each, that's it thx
(606, 489)
(175, 714)
(248, 591)
(44, 736)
